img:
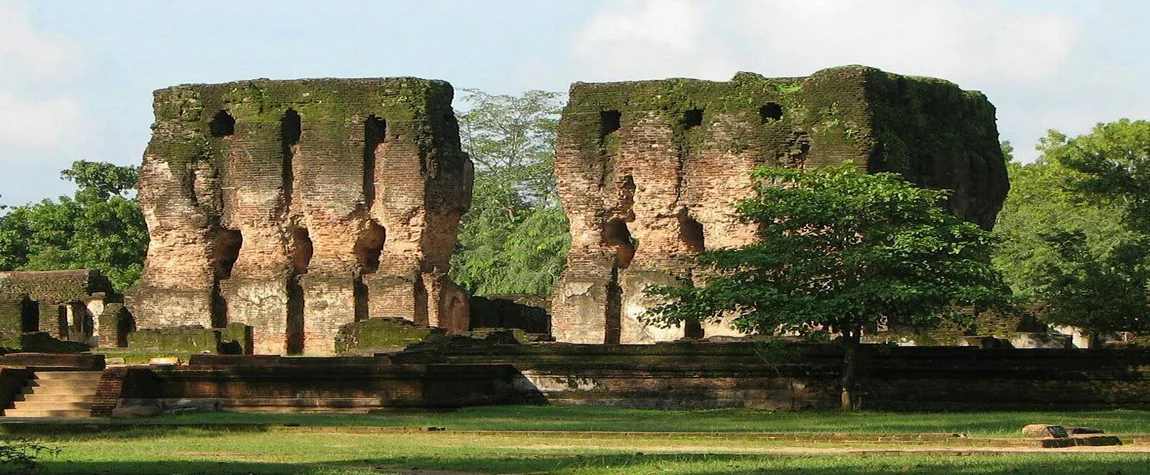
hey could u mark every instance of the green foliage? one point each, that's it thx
(1074, 228)
(20, 456)
(1042, 201)
(1115, 162)
(840, 250)
(1097, 293)
(514, 239)
(97, 228)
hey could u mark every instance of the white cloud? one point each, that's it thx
(638, 39)
(961, 40)
(37, 123)
(38, 116)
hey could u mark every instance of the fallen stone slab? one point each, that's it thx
(1045, 431)
(1081, 441)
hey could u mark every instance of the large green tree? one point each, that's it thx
(1114, 160)
(1074, 228)
(514, 239)
(99, 227)
(838, 251)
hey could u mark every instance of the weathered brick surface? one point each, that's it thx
(648, 172)
(295, 207)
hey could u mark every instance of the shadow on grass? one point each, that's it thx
(696, 464)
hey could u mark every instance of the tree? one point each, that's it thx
(514, 239)
(1099, 294)
(1043, 201)
(1074, 228)
(97, 228)
(839, 251)
(1114, 160)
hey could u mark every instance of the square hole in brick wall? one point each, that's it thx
(771, 111)
(222, 124)
(692, 118)
(609, 121)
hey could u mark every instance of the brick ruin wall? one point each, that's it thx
(296, 207)
(70, 305)
(649, 172)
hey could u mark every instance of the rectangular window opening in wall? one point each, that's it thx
(770, 112)
(610, 121)
(222, 124)
(692, 118)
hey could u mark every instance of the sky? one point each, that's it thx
(76, 76)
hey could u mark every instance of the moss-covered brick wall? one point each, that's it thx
(233, 339)
(298, 206)
(649, 172)
(55, 287)
(379, 335)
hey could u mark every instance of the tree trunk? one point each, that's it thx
(850, 370)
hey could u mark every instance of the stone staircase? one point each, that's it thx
(56, 394)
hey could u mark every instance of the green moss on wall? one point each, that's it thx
(380, 335)
(235, 339)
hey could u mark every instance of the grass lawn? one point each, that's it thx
(576, 418)
(623, 442)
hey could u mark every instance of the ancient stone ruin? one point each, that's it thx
(648, 172)
(295, 207)
(39, 309)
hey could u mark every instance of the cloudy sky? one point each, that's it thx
(76, 75)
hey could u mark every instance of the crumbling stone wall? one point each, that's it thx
(66, 304)
(649, 171)
(296, 207)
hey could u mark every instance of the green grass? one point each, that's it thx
(336, 451)
(620, 441)
(586, 418)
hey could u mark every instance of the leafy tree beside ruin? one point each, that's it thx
(840, 251)
(99, 227)
(1075, 229)
(514, 240)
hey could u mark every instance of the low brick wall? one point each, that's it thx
(672, 376)
(706, 375)
(258, 383)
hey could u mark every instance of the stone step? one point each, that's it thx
(61, 387)
(69, 375)
(51, 405)
(57, 394)
(74, 413)
(37, 397)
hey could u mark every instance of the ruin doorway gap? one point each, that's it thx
(369, 246)
(291, 130)
(374, 135)
(226, 251)
(617, 237)
(691, 233)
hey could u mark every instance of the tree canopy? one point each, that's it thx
(838, 251)
(1075, 230)
(97, 228)
(514, 240)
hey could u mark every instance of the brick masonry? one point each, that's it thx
(649, 172)
(298, 206)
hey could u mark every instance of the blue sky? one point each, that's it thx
(76, 75)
